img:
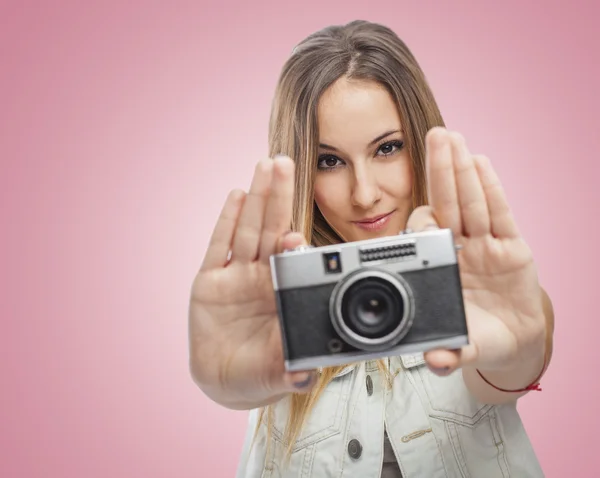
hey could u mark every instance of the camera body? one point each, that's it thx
(369, 299)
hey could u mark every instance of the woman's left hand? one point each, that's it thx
(502, 295)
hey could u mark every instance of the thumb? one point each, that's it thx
(290, 241)
(421, 219)
(443, 362)
(300, 382)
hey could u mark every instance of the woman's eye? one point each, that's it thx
(328, 162)
(391, 147)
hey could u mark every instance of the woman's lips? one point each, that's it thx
(377, 224)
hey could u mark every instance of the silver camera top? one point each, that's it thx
(407, 251)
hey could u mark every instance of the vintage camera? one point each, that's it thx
(369, 299)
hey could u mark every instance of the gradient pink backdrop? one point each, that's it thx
(122, 128)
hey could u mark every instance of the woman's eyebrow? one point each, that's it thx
(379, 138)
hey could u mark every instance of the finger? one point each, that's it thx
(278, 214)
(289, 241)
(300, 382)
(443, 196)
(502, 222)
(422, 219)
(222, 235)
(247, 234)
(445, 361)
(442, 362)
(471, 197)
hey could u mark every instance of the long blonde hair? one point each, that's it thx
(358, 50)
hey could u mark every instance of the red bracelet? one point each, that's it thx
(534, 386)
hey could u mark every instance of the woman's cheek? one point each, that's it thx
(330, 194)
(396, 178)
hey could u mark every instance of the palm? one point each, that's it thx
(235, 341)
(239, 309)
(497, 271)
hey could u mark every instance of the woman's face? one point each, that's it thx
(363, 185)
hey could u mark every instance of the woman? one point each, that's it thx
(370, 157)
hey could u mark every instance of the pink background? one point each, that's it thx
(122, 127)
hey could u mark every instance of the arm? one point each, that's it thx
(519, 377)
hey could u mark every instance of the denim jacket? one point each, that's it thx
(436, 428)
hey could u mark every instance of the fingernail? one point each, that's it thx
(430, 227)
(304, 383)
(440, 370)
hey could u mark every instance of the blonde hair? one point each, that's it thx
(358, 50)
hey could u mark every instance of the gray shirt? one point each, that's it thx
(390, 468)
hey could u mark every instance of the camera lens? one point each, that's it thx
(372, 309)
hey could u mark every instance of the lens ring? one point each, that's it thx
(371, 307)
(361, 342)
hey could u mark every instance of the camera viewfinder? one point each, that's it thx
(332, 262)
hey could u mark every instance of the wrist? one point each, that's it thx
(498, 386)
(521, 376)
(236, 401)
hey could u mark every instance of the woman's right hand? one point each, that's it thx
(236, 354)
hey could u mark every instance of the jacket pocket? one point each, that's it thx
(445, 397)
(479, 449)
(326, 418)
(467, 429)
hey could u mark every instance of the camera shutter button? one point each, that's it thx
(354, 448)
(369, 381)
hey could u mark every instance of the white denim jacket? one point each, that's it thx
(436, 428)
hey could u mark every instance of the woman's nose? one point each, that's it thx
(366, 190)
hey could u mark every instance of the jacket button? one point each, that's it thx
(369, 385)
(354, 448)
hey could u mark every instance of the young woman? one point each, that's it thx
(365, 155)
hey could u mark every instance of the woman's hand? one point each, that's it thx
(505, 313)
(236, 353)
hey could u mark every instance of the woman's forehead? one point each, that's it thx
(356, 111)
